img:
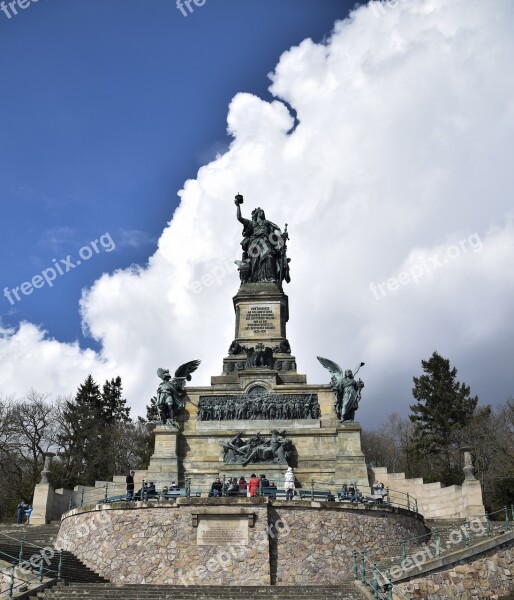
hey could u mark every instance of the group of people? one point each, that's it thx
(240, 487)
(251, 488)
(23, 512)
(147, 490)
(233, 486)
(350, 492)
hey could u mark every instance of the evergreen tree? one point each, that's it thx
(444, 406)
(81, 432)
(93, 431)
(152, 414)
(115, 407)
(143, 442)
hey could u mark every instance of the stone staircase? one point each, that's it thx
(37, 536)
(169, 592)
(42, 535)
(451, 538)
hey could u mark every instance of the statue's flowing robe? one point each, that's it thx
(350, 401)
(265, 256)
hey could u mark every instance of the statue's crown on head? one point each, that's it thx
(256, 211)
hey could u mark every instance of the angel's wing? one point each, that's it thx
(186, 369)
(334, 369)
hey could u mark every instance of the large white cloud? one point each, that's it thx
(399, 168)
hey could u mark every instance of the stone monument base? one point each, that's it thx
(230, 541)
(163, 465)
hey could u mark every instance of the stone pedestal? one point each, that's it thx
(350, 466)
(43, 500)
(473, 500)
(163, 467)
(262, 312)
(42, 504)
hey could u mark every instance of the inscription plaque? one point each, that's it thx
(214, 530)
(259, 320)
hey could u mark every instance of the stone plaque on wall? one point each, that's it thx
(260, 320)
(222, 530)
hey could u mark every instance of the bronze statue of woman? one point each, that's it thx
(263, 248)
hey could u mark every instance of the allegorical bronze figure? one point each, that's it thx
(256, 449)
(264, 249)
(171, 395)
(347, 388)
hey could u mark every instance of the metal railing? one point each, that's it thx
(313, 490)
(370, 576)
(406, 555)
(34, 565)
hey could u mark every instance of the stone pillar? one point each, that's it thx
(47, 467)
(163, 467)
(350, 464)
(473, 502)
(469, 469)
(42, 503)
(262, 312)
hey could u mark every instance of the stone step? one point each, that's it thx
(167, 592)
(42, 535)
(72, 569)
(211, 594)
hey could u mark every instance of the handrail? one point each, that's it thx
(37, 578)
(107, 491)
(18, 540)
(374, 584)
(457, 536)
(19, 560)
(16, 564)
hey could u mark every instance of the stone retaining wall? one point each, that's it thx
(318, 548)
(290, 543)
(489, 576)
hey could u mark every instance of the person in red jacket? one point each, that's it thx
(253, 485)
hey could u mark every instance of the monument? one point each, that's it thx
(259, 410)
(259, 413)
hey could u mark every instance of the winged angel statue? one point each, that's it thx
(347, 389)
(171, 395)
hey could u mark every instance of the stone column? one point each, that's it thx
(42, 503)
(47, 467)
(350, 464)
(262, 311)
(469, 469)
(473, 503)
(163, 467)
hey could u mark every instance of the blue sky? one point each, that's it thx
(399, 163)
(108, 107)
